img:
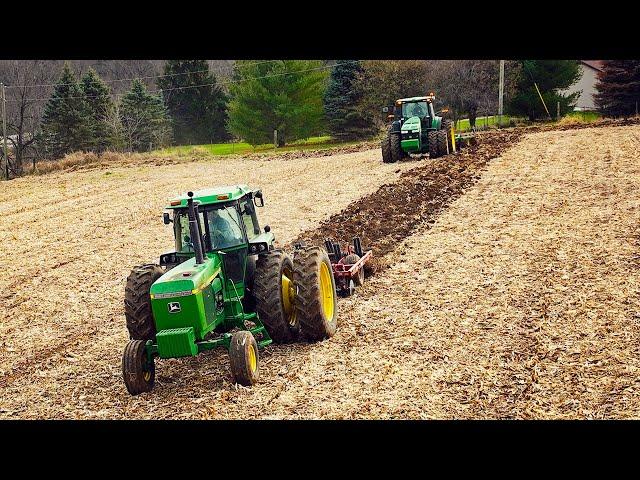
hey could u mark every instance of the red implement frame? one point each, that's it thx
(345, 274)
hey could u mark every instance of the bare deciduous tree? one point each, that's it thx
(27, 89)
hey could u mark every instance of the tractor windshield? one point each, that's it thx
(220, 227)
(415, 109)
(224, 228)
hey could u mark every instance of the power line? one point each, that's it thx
(136, 78)
(197, 86)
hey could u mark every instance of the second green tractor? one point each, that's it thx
(223, 285)
(416, 128)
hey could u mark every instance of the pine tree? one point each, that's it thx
(144, 119)
(282, 95)
(100, 106)
(551, 76)
(341, 101)
(66, 125)
(618, 88)
(196, 104)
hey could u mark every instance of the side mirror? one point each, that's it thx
(385, 109)
(267, 229)
(258, 196)
(166, 218)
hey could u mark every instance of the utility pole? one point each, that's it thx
(500, 93)
(4, 132)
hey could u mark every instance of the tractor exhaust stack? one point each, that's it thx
(194, 230)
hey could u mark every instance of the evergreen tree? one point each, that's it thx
(196, 104)
(551, 76)
(341, 100)
(100, 106)
(618, 88)
(144, 119)
(283, 95)
(65, 123)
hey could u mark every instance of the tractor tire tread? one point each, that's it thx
(137, 302)
(308, 303)
(267, 290)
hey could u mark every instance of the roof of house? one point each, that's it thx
(595, 64)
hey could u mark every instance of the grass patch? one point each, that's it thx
(481, 122)
(315, 143)
(580, 117)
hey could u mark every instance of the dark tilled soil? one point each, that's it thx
(395, 210)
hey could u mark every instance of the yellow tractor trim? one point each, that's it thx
(288, 298)
(253, 361)
(326, 291)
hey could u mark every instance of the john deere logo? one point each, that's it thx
(174, 307)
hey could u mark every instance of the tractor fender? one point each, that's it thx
(437, 123)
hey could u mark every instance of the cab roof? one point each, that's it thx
(210, 196)
(413, 99)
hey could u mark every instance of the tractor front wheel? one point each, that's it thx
(316, 306)
(386, 149)
(434, 146)
(274, 291)
(396, 148)
(138, 371)
(137, 302)
(243, 356)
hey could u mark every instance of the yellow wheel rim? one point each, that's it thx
(326, 291)
(253, 359)
(288, 296)
(147, 376)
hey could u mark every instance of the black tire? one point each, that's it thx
(310, 265)
(434, 147)
(396, 149)
(443, 142)
(137, 302)
(270, 301)
(244, 358)
(386, 149)
(137, 372)
(446, 126)
(359, 278)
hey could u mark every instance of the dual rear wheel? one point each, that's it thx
(296, 297)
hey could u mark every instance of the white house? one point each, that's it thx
(586, 84)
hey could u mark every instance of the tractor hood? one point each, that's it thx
(413, 124)
(187, 278)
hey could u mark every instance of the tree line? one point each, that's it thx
(298, 98)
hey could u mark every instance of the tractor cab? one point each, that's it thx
(228, 222)
(421, 107)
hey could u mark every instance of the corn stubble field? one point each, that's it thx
(508, 284)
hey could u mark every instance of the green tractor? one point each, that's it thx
(415, 128)
(224, 285)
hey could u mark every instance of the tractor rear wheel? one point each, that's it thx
(386, 149)
(243, 357)
(274, 292)
(350, 260)
(316, 306)
(137, 302)
(434, 147)
(138, 372)
(443, 142)
(446, 126)
(396, 148)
